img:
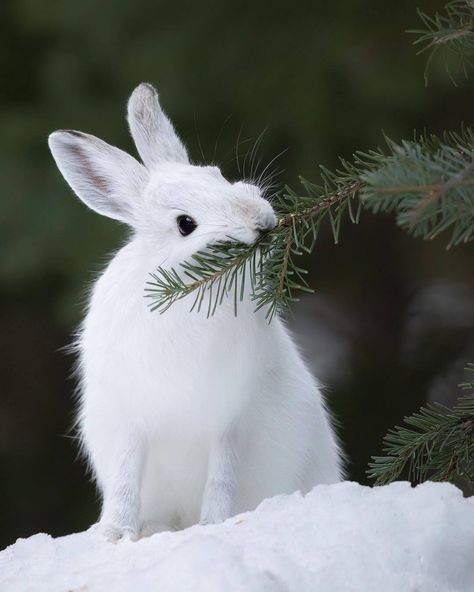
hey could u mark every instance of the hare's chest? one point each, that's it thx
(177, 371)
(200, 371)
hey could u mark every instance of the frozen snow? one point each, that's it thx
(342, 537)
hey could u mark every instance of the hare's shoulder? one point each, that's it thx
(120, 277)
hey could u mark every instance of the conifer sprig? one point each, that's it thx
(427, 182)
(452, 33)
(436, 443)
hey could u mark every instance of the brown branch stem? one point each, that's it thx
(347, 191)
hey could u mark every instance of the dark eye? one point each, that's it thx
(186, 225)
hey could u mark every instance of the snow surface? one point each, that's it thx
(342, 537)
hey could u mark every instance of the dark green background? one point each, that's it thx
(326, 78)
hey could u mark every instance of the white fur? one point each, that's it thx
(184, 418)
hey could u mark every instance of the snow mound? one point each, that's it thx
(337, 538)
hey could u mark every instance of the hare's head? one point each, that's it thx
(181, 205)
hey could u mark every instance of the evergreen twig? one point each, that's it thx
(436, 443)
(452, 33)
(428, 182)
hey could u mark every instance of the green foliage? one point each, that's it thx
(428, 183)
(451, 32)
(213, 273)
(436, 443)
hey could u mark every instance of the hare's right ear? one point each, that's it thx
(108, 180)
(153, 133)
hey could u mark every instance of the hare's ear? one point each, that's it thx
(152, 131)
(105, 178)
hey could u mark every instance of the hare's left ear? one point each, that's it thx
(109, 181)
(153, 133)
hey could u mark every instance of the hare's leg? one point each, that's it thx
(121, 490)
(219, 491)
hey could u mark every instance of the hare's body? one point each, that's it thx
(180, 380)
(184, 418)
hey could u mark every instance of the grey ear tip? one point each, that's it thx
(144, 90)
(149, 86)
(64, 132)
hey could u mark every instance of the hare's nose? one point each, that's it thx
(266, 221)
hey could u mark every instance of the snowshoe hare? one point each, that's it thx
(184, 419)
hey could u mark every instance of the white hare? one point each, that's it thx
(183, 418)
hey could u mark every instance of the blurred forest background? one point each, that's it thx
(391, 323)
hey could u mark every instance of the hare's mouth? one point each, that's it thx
(246, 235)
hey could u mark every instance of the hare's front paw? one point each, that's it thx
(115, 533)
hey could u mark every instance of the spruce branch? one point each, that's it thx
(436, 443)
(451, 32)
(427, 182)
